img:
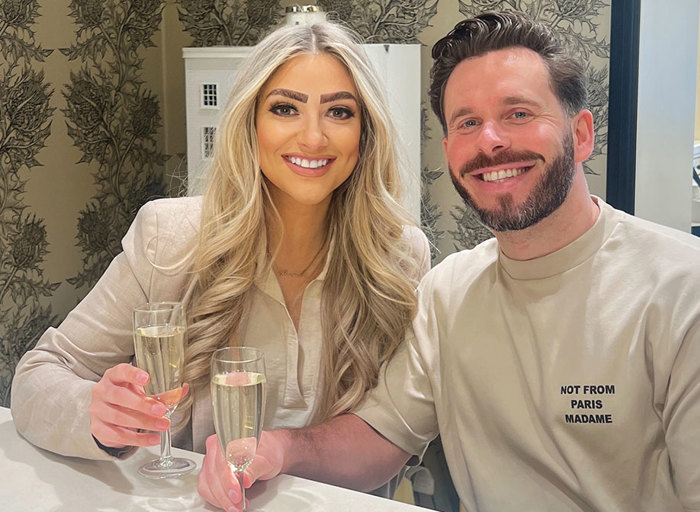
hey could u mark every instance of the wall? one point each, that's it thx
(668, 48)
(697, 93)
(81, 148)
(108, 128)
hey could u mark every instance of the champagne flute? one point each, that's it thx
(159, 343)
(238, 399)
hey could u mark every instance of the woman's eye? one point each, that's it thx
(340, 113)
(283, 109)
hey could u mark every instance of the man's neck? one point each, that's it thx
(573, 218)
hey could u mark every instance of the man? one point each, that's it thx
(560, 361)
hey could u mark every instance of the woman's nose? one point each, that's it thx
(312, 136)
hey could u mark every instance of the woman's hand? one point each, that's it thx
(219, 486)
(120, 409)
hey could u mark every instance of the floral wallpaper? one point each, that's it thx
(86, 82)
(228, 23)
(112, 118)
(25, 124)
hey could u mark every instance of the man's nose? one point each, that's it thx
(312, 136)
(493, 138)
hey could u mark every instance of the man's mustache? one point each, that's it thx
(482, 161)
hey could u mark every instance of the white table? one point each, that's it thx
(32, 479)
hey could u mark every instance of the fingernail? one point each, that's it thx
(232, 509)
(162, 423)
(142, 378)
(233, 496)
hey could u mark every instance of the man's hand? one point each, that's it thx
(120, 409)
(219, 486)
(369, 460)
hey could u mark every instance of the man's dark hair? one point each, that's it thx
(498, 30)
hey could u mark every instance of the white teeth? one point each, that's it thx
(308, 164)
(502, 174)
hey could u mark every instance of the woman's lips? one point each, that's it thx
(308, 166)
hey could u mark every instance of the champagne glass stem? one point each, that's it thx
(165, 444)
(239, 477)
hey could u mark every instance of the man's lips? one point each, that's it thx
(517, 162)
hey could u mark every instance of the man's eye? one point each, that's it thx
(521, 115)
(469, 123)
(283, 110)
(340, 113)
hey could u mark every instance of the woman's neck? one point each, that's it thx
(301, 237)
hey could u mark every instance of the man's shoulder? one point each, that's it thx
(654, 237)
(466, 264)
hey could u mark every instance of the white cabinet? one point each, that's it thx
(209, 73)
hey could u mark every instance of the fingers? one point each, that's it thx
(119, 437)
(268, 459)
(119, 409)
(215, 483)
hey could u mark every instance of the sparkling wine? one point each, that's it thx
(160, 351)
(238, 399)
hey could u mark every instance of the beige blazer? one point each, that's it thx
(51, 390)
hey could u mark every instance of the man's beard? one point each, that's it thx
(547, 195)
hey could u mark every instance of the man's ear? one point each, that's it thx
(582, 130)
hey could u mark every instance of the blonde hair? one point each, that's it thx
(368, 295)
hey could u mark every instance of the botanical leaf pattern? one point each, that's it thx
(229, 22)
(430, 211)
(25, 124)
(383, 21)
(113, 120)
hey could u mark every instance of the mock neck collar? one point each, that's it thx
(568, 256)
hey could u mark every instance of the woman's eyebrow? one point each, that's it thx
(340, 95)
(288, 93)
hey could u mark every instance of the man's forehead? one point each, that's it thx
(511, 75)
(499, 63)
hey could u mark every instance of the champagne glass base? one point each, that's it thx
(172, 468)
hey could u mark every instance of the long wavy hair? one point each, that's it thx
(368, 298)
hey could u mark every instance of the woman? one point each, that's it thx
(298, 247)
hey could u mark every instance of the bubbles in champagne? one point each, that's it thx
(238, 399)
(160, 351)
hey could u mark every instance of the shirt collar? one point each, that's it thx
(569, 256)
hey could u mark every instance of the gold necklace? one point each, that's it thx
(287, 273)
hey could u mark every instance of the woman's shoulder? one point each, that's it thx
(164, 228)
(420, 247)
(175, 209)
(171, 215)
